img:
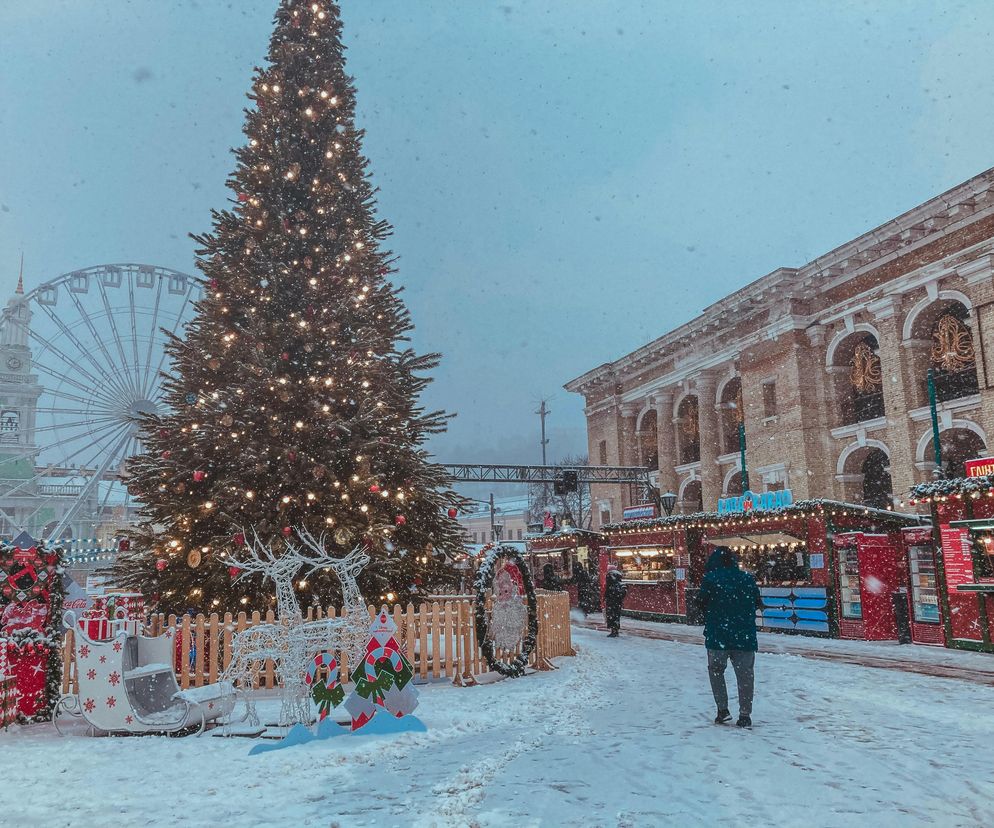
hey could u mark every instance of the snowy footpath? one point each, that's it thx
(619, 736)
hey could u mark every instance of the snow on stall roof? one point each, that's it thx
(794, 510)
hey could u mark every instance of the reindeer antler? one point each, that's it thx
(322, 556)
(262, 559)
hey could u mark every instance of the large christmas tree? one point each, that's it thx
(294, 395)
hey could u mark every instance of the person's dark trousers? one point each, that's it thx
(744, 665)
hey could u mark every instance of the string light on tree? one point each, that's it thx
(296, 374)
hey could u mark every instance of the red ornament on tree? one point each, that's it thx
(198, 475)
(214, 284)
(243, 197)
(374, 488)
(453, 513)
(239, 539)
(166, 454)
(285, 356)
(234, 572)
(161, 564)
(286, 531)
(163, 433)
(400, 520)
(292, 455)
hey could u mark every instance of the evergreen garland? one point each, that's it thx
(483, 584)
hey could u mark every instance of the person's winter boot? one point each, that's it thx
(744, 721)
(612, 634)
(722, 717)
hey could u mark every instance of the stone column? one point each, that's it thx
(707, 422)
(628, 451)
(897, 372)
(665, 443)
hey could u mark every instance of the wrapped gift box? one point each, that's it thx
(96, 629)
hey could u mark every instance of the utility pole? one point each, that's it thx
(493, 519)
(543, 412)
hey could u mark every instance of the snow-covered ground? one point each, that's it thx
(619, 736)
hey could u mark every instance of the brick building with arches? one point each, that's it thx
(825, 365)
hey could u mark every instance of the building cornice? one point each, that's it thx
(947, 212)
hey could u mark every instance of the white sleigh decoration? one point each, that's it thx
(127, 685)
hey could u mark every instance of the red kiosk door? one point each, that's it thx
(879, 577)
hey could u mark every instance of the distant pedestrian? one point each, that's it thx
(614, 596)
(550, 579)
(585, 590)
(728, 599)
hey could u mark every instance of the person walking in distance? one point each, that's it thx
(728, 599)
(614, 596)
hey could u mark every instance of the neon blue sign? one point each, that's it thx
(755, 502)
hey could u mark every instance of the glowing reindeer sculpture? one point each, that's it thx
(290, 642)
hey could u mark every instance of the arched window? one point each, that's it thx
(865, 475)
(877, 487)
(952, 359)
(732, 415)
(858, 378)
(689, 430)
(693, 500)
(10, 422)
(958, 446)
(649, 440)
(734, 488)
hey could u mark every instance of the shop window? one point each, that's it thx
(602, 452)
(605, 516)
(852, 606)
(652, 565)
(924, 584)
(769, 399)
(777, 564)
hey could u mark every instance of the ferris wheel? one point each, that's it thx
(83, 357)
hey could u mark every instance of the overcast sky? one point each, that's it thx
(567, 179)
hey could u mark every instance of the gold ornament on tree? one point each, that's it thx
(952, 345)
(864, 369)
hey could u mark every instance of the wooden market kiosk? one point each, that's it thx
(824, 568)
(564, 550)
(962, 559)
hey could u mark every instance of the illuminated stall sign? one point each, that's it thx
(755, 502)
(981, 467)
(643, 511)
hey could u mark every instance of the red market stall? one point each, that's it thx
(962, 513)
(653, 563)
(564, 551)
(808, 558)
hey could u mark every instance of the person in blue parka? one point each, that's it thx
(728, 599)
